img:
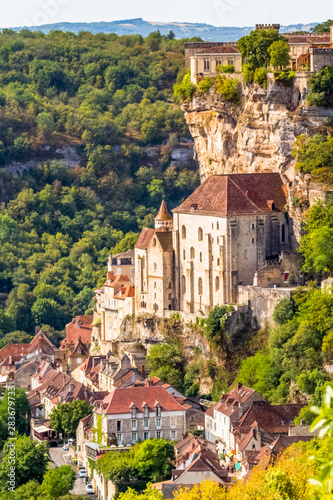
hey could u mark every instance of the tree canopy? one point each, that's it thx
(255, 47)
(65, 417)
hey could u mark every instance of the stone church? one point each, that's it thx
(218, 238)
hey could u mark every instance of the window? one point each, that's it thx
(169, 285)
(109, 324)
(173, 435)
(133, 424)
(200, 234)
(173, 421)
(252, 226)
(192, 253)
(154, 242)
(217, 240)
(155, 295)
(252, 240)
(218, 62)
(218, 261)
(133, 412)
(200, 286)
(109, 313)
(158, 422)
(145, 435)
(169, 296)
(183, 232)
(253, 447)
(155, 266)
(200, 256)
(118, 425)
(231, 62)
(155, 284)
(183, 284)
(119, 439)
(146, 411)
(158, 411)
(217, 225)
(283, 233)
(146, 423)
(217, 283)
(184, 254)
(245, 254)
(134, 437)
(155, 307)
(206, 64)
(158, 434)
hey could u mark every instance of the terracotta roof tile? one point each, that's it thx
(13, 350)
(216, 49)
(145, 238)
(79, 328)
(163, 214)
(236, 194)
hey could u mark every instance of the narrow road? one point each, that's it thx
(60, 457)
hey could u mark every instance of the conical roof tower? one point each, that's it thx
(163, 220)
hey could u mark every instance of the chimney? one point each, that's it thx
(71, 387)
(40, 344)
(185, 435)
(10, 359)
(239, 385)
(143, 371)
(37, 329)
(77, 322)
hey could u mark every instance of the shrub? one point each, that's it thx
(284, 311)
(228, 68)
(230, 89)
(248, 73)
(206, 84)
(285, 77)
(186, 89)
(321, 88)
(260, 77)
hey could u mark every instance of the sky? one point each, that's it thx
(216, 12)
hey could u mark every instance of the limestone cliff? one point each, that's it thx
(256, 136)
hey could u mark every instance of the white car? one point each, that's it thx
(82, 473)
(89, 488)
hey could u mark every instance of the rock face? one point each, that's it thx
(256, 136)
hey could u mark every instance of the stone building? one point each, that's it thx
(114, 301)
(221, 235)
(123, 263)
(154, 266)
(206, 60)
(138, 413)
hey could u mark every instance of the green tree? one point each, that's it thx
(323, 27)
(284, 311)
(214, 327)
(255, 47)
(314, 156)
(65, 417)
(255, 372)
(59, 482)
(14, 404)
(153, 459)
(279, 53)
(149, 493)
(31, 460)
(45, 124)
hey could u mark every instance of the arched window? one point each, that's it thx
(183, 284)
(183, 232)
(217, 225)
(155, 266)
(154, 242)
(217, 283)
(200, 286)
(184, 254)
(169, 286)
(192, 253)
(200, 256)
(200, 234)
(283, 233)
(218, 261)
(155, 284)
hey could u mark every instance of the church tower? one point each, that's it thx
(163, 220)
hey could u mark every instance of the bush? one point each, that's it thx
(206, 84)
(186, 89)
(321, 88)
(284, 311)
(230, 89)
(285, 77)
(260, 77)
(248, 73)
(228, 68)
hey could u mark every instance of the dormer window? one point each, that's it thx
(146, 411)
(158, 411)
(133, 411)
(282, 422)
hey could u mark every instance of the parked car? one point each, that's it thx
(82, 473)
(89, 488)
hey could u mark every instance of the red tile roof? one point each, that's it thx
(79, 327)
(121, 400)
(125, 292)
(163, 214)
(231, 400)
(225, 49)
(13, 350)
(236, 194)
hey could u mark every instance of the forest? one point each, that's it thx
(110, 99)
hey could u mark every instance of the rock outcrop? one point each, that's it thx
(256, 136)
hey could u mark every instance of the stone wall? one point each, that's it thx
(261, 302)
(320, 58)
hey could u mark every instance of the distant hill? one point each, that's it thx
(181, 30)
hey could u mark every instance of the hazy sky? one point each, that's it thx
(216, 12)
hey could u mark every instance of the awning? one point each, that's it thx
(42, 428)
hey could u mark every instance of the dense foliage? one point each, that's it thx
(14, 406)
(65, 417)
(321, 88)
(256, 48)
(110, 97)
(323, 27)
(314, 156)
(150, 460)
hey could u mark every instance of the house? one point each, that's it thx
(84, 434)
(207, 59)
(77, 342)
(190, 444)
(217, 238)
(120, 373)
(139, 413)
(123, 263)
(114, 301)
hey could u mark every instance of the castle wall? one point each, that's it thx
(320, 58)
